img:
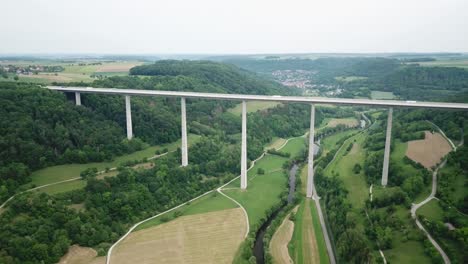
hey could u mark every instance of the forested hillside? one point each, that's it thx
(210, 76)
(39, 128)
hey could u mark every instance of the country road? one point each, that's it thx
(415, 207)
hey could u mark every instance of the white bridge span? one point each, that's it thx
(127, 93)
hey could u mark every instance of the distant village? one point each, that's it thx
(304, 80)
(30, 69)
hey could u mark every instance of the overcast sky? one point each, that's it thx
(234, 26)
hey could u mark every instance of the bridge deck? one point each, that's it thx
(276, 98)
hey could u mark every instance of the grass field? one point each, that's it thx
(333, 122)
(200, 238)
(432, 210)
(253, 106)
(295, 146)
(275, 143)
(330, 142)
(458, 185)
(63, 187)
(343, 165)
(446, 63)
(208, 203)
(69, 171)
(379, 95)
(428, 151)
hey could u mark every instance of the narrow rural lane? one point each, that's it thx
(415, 207)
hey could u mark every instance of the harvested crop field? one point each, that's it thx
(212, 237)
(349, 122)
(81, 255)
(117, 67)
(428, 151)
(280, 240)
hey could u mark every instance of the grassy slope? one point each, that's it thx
(275, 143)
(446, 63)
(295, 146)
(326, 121)
(458, 186)
(69, 171)
(343, 165)
(382, 95)
(253, 106)
(209, 203)
(432, 210)
(330, 142)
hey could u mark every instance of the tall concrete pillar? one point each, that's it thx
(184, 133)
(77, 98)
(244, 147)
(128, 109)
(310, 166)
(388, 139)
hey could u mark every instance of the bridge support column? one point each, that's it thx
(77, 98)
(388, 139)
(128, 109)
(184, 132)
(310, 165)
(244, 147)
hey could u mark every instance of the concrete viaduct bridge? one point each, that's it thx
(390, 104)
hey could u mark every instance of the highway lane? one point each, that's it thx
(275, 98)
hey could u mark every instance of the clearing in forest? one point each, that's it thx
(276, 143)
(280, 240)
(380, 95)
(253, 106)
(428, 151)
(212, 237)
(81, 255)
(117, 67)
(349, 122)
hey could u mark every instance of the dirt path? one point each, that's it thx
(280, 240)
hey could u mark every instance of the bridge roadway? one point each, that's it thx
(276, 98)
